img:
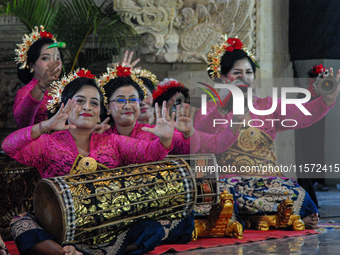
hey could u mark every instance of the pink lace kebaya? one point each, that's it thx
(199, 142)
(27, 110)
(54, 154)
(317, 108)
(181, 145)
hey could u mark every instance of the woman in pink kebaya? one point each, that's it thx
(251, 145)
(38, 67)
(76, 107)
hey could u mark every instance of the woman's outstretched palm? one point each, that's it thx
(58, 121)
(183, 121)
(165, 126)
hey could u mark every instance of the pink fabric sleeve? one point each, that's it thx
(212, 139)
(205, 122)
(53, 155)
(20, 146)
(181, 144)
(136, 151)
(216, 143)
(27, 110)
(316, 107)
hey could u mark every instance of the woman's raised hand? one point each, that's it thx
(164, 128)
(183, 121)
(103, 126)
(330, 98)
(127, 60)
(51, 74)
(58, 121)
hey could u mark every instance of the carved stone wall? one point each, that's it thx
(177, 31)
(11, 31)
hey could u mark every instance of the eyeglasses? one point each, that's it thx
(132, 101)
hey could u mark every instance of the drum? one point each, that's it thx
(204, 167)
(93, 208)
(17, 183)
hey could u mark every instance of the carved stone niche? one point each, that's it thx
(184, 30)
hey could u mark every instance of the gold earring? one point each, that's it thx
(32, 70)
(99, 120)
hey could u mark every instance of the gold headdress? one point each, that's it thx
(217, 51)
(121, 71)
(28, 40)
(58, 87)
(147, 74)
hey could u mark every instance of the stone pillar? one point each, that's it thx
(324, 138)
(272, 53)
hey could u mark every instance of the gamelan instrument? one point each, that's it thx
(17, 183)
(206, 175)
(95, 207)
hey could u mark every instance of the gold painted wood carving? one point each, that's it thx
(219, 222)
(284, 218)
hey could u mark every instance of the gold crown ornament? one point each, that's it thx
(217, 51)
(147, 74)
(122, 71)
(28, 40)
(57, 87)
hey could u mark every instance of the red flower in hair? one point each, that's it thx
(123, 71)
(319, 69)
(161, 89)
(315, 71)
(166, 90)
(85, 74)
(45, 34)
(234, 44)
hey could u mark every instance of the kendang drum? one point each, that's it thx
(204, 167)
(17, 183)
(95, 207)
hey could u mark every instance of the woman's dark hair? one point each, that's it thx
(119, 82)
(115, 84)
(73, 87)
(230, 57)
(148, 84)
(165, 91)
(33, 54)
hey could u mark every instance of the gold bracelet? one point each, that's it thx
(41, 130)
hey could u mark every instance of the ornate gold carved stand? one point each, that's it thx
(219, 222)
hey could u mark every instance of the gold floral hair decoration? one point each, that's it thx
(217, 51)
(122, 71)
(28, 40)
(57, 87)
(147, 74)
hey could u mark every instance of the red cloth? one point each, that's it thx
(11, 247)
(249, 236)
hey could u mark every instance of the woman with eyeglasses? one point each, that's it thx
(125, 91)
(75, 110)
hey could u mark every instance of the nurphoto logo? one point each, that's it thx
(239, 99)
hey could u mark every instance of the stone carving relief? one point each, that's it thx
(171, 31)
(11, 31)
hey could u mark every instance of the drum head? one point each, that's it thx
(49, 209)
